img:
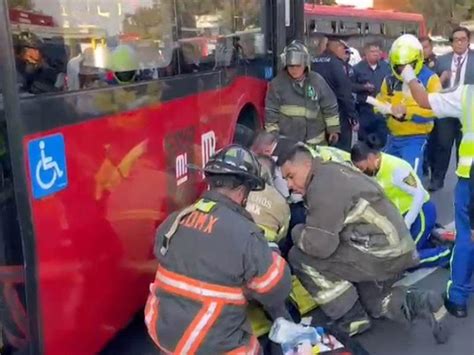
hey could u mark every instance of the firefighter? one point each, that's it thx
(457, 102)
(212, 258)
(271, 213)
(403, 187)
(34, 75)
(409, 136)
(353, 247)
(123, 65)
(268, 207)
(299, 102)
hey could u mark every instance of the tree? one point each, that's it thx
(149, 23)
(442, 15)
(22, 4)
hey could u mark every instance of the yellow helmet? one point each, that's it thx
(406, 49)
(124, 63)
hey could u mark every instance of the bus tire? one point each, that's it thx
(247, 125)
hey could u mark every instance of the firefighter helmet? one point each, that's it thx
(27, 39)
(406, 49)
(124, 63)
(296, 53)
(88, 64)
(236, 161)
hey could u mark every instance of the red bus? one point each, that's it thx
(88, 172)
(361, 26)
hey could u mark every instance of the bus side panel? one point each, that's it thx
(126, 172)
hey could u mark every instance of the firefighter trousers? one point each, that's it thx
(336, 295)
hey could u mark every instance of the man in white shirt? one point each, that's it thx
(458, 103)
(456, 68)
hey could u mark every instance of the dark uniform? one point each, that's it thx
(350, 252)
(334, 71)
(373, 127)
(217, 260)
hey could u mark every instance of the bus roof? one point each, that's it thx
(369, 14)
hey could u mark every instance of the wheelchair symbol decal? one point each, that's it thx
(47, 158)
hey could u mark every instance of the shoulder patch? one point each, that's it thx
(205, 206)
(410, 180)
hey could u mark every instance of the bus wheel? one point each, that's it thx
(246, 126)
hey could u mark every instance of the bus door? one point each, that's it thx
(13, 315)
(18, 297)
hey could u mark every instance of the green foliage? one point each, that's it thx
(22, 4)
(442, 15)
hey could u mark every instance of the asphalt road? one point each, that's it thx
(385, 338)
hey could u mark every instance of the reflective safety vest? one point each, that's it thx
(400, 198)
(466, 150)
(327, 153)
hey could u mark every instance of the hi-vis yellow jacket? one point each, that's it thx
(419, 121)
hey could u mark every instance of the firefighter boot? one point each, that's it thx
(429, 305)
(408, 305)
(354, 322)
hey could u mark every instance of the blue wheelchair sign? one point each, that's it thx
(48, 170)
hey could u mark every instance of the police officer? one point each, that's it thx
(430, 59)
(209, 253)
(408, 136)
(331, 66)
(458, 103)
(351, 250)
(299, 103)
(403, 187)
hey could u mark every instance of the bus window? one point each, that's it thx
(350, 27)
(374, 28)
(83, 46)
(412, 28)
(394, 29)
(200, 33)
(312, 26)
(221, 35)
(249, 42)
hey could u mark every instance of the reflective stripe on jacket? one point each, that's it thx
(216, 259)
(306, 112)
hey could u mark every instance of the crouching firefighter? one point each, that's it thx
(353, 247)
(271, 213)
(212, 260)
